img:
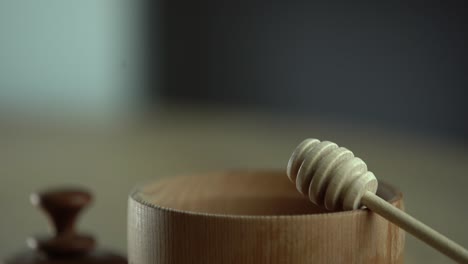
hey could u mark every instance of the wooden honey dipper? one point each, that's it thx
(333, 178)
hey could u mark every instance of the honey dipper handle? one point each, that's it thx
(415, 227)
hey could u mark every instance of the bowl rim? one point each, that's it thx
(135, 196)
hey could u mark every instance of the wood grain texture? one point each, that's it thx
(252, 217)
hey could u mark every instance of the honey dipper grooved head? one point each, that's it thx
(330, 175)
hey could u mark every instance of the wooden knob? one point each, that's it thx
(63, 207)
(332, 177)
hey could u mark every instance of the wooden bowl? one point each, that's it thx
(252, 217)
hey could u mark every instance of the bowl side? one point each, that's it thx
(252, 217)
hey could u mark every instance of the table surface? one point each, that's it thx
(111, 158)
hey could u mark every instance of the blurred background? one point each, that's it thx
(106, 94)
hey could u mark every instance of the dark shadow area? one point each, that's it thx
(394, 64)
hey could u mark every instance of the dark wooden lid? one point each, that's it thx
(66, 245)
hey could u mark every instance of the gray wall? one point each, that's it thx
(401, 65)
